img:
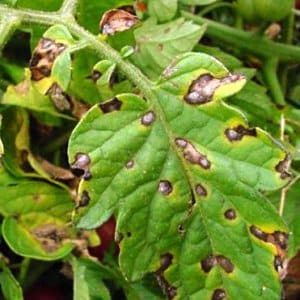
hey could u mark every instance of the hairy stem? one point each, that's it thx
(247, 41)
(68, 7)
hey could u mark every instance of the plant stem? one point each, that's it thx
(68, 7)
(214, 6)
(270, 76)
(8, 25)
(247, 41)
(24, 269)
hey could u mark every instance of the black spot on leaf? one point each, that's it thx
(111, 105)
(165, 187)
(278, 263)
(148, 118)
(283, 167)
(165, 261)
(230, 214)
(219, 294)
(81, 166)
(237, 133)
(202, 89)
(180, 229)
(128, 234)
(200, 190)
(258, 233)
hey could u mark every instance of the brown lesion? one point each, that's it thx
(212, 260)
(237, 133)
(111, 105)
(50, 236)
(165, 187)
(230, 214)
(283, 167)
(148, 118)
(218, 294)
(278, 239)
(81, 166)
(43, 58)
(192, 155)
(117, 20)
(84, 199)
(165, 262)
(202, 89)
(201, 190)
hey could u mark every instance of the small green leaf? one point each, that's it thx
(59, 34)
(162, 10)
(11, 288)
(180, 172)
(197, 2)
(88, 280)
(36, 213)
(49, 5)
(157, 45)
(61, 70)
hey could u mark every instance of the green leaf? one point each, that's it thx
(59, 34)
(11, 288)
(36, 213)
(26, 95)
(158, 44)
(162, 10)
(1, 144)
(90, 12)
(180, 177)
(88, 280)
(49, 5)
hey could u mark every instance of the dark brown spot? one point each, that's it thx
(191, 154)
(283, 167)
(208, 263)
(200, 190)
(81, 166)
(230, 214)
(165, 261)
(36, 197)
(237, 133)
(119, 237)
(203, 88)
(95, 75)
(85, 199)
(128, 234)
(34, 60)
(117, 20)
(130, 164)
(46, 43)
(111, 105)
(180, 229)
(225, 263)
(258, 233)
(280, 239)
(167, 289)
(165, 187)
(218, 294)
(148, 118)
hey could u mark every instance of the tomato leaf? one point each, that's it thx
(180, 172)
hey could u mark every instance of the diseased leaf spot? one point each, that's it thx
(130, 164)
(225, 263)
(119, 237)
(208, 263)
(200, 190)
(95, 75)
(81, 166)
(283, 167)
(117, 20)
(85, 199)
(43, 58)
(128, 234)
(211, 261)
(165, 261)
(237, 133)
(148, 118)
(258, 233)
(202, 89)
(218, 294)
(191, 154)
(165, 187)
(230, 214)
(111, 105)
(180, 229)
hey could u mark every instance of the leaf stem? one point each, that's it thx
(8, 25)
(247, 41)
(25, 264)
(68, 7)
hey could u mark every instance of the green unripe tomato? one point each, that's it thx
(273, 10)
(246, 9)
(267, 10)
